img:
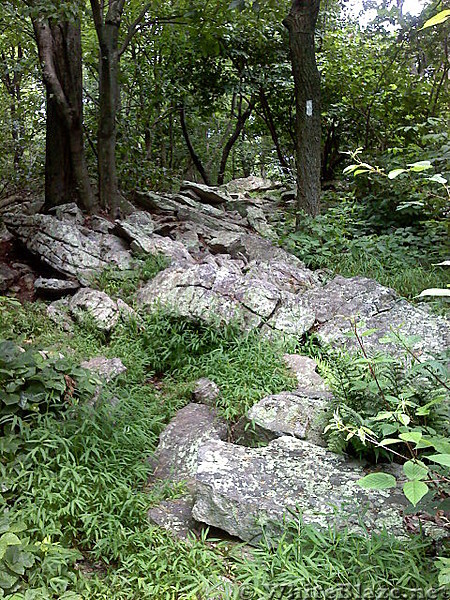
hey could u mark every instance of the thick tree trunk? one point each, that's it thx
(107, 129)
(301, 23)
(66, 173)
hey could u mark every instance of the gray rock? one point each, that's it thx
(175, 516)
(58, 312)
(214, 293)
(188, 236)
(192, 426)
(304, 369)
(289, 196)
(345, 300)
(289, 276)
(224, 241)
(52, 287)
(103, 310)
(206, 193)
(7, 277)
(68, 212)
(250, 184)
(156, 202)
(298, 413)
(101, 225)
(106, 368)
(135, 226)
(157, 244)
(65, 247)
(258, 221)
(206, 391)
(245, 490)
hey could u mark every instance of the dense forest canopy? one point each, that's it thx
(204, 90)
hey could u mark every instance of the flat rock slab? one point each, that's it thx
(247, 490)
(359, 299)
(176, 455)
(300, 414)
(66, 246)
(208, 194)
(53, 287)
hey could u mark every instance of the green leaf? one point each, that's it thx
(411, 436)
(442, 459)
(395, 173)
(415, 491)
(377, 481)
(414, 471)
(441, 17)
(389, 441)
(421, 165)
(438, 178)
(435, 292)
(404, 419)
(8, 539)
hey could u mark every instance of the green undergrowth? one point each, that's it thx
(75, 482)
(343, 241)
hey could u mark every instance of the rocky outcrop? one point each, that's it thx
(104, 312)
(105, 368)
(221, 293)
(246, 491)
(55, 288)
(205, 193)
(342, 302)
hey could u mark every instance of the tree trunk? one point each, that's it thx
(240, 124)
(66, 173)
(107, 130)
(194, 156)
(301, 23)
(267, 113)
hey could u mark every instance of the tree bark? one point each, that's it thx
(267, 113)
(301, 23)
(66, 173)
(194, 156)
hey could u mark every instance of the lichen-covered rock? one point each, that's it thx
(215, 293)
(103, 310)
(298, 413)
(66, 246)
(176, 455)
(68, 212)
(250, 184)
(304, 369)
(138, 224)
(206, 193)
(157, 244)
(106, 368)
(344, 301)
(245, 490)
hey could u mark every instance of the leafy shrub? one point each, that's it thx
(34, 381)
(15, 555)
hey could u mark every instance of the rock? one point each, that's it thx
(8, 277)
(298, 413)
(206, 391)
(192, 426)
(156, 202)
(250, 184)
(257, 220)
(207, 194)
(188, 236)
(68, 212)
(344, 300)
(106, 368)
(51, 288)
(288, 196)
(247, 490)
(254, 247)
(289, 276)
(63, 246)
(214, 293)
(175, 516)
(162, 245)
(224, 242)
(101, 225)
(304, 369)
(103, 310)
(58, 312)
(135, 226)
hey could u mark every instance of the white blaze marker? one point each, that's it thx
(309, 108)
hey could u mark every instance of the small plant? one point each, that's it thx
(33, 381)
(15, 555)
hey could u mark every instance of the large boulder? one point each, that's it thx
(98, 306)
(250, 184)
(221, 293)
(66, 246)
(345, 301)
(246, 491)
